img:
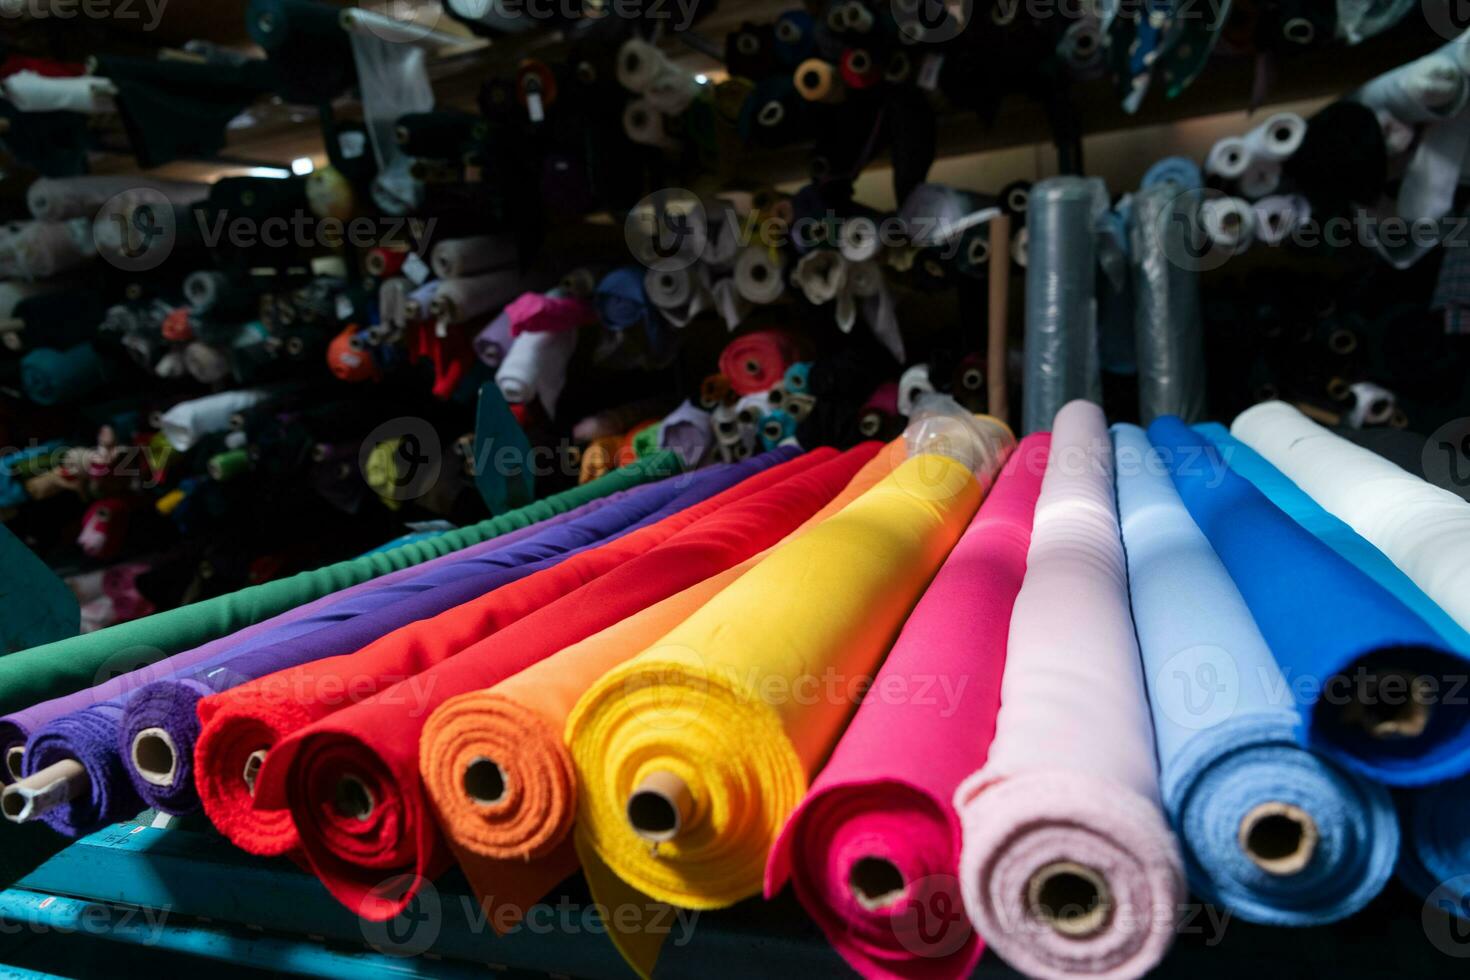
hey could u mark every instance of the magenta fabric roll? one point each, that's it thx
(873, 850)
(550, 312)
(1069, 868)
(16, 728)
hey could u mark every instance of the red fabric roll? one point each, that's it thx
(757, 361)
(260, 714)
(373, 865)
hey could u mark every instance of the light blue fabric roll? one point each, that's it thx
(1341, 538)
(1226, 726)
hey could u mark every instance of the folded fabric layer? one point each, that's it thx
(16, 728)
(45, 673)
(133, 749)
(1368, 676)
(1435, 862)
(1424, 529)
(1067, 859)
(373, 858)
(1270, 830)
(873, 849)
(692, 755)
(240, 728)
(494, 762)
(1332, 532)
(166, 710)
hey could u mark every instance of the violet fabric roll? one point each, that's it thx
(17, 727)
(98, 738)
(1270, 830)
(167, 709)
(1068, 867)
(1373, 683)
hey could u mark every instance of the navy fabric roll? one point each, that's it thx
(1270, 830)
(101, 737)
(1370, 679)
(1435, 861)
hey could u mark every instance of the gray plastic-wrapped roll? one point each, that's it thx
(1167, 330)
(1061, 298)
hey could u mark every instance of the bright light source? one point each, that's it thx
(302, 166)
(701, 78)
(269, 172)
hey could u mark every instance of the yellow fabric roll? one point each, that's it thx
(743, 700)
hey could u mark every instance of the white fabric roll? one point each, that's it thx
(455, 258)
(1228, 158)
(59, 198)
(1423, 529)
(42, 249)
(31, 92)
(859, 240)
(1229, 221)
(1278, 215)
(186, 422)
(913, 384)
(758, 276)
(680, 294)
(644, 125)
(535, 368)
(462, 300)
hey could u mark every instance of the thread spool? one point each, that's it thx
(819, 81)
(227, 466)
(1228, 158)
(384, 261)
(758, 276)
(660, 807)
(1278, 838)
(644, 125)
(1299, 30)
(857, 18)
(639, 63)
(859, 71)
(859, 240)
(1229, 222)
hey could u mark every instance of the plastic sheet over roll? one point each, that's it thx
(1270, 830)
(1066, 850)
(1062, 359)
(697, 727)
(1424, 529)
(1167, 326)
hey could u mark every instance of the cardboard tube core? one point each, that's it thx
(1071, 898)
(252, 769)
(1278, 838)
(42, 792)
(353, 799)
(876, 883)
(155, 756)
(1401, 710)
(15, 760)
(660, 806)
(484, 781)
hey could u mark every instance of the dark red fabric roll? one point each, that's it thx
(352, 780)
(255, 717)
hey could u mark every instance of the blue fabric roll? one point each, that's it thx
(1436, 857)
(58, 377)
(1225, 726)
(1342, 640)
(1338, 536)
(1178, 170)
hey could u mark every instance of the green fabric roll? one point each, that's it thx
(40, 673)
(645, 442)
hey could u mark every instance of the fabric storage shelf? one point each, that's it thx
(242, 914)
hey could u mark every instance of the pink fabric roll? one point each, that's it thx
(884, 398)
(1069, 868)
(873, 850)
(550, 312)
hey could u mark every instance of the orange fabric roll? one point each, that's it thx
(600, 457)
(512, 837)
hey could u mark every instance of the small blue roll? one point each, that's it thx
(1349, 648)
(1436, 859)
(798, 378)
(1181, 171)
(1319, 842)
(58, 377)
(776, 427)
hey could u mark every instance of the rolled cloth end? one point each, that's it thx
(1385, 714)
(1071, 898)
(659, 808)
(38, 794)
(876, 883)
(15, 762)
(1279, 838)
(353, 799)
(484, 781)
(252, 769)
(155, 756)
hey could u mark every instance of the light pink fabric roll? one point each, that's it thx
(1069, 868)
(873, 849)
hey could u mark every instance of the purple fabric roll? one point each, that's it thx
(16, 728)
(687, 431)
(100, 740)
(491, 343)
